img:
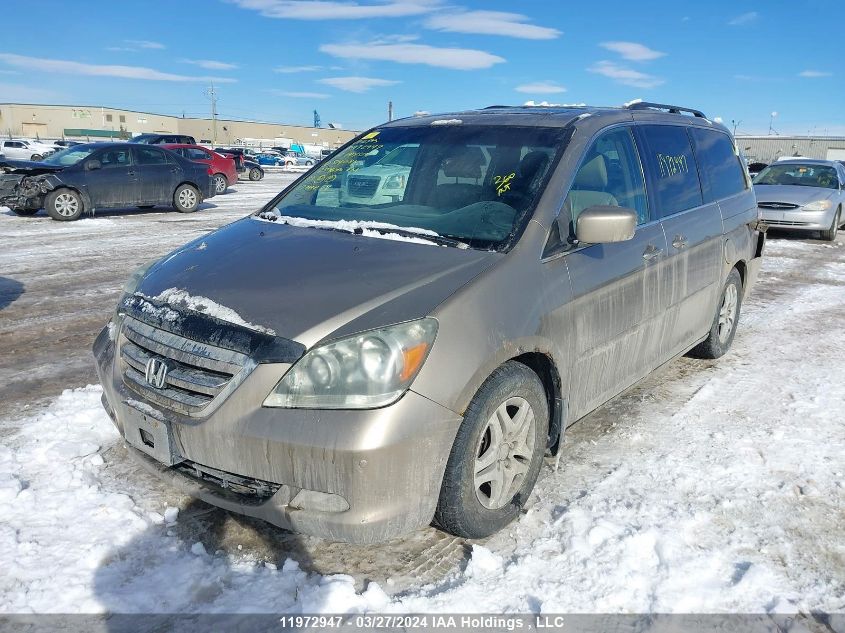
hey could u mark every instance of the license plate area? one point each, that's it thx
(151, 436)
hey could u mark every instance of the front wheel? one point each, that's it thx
(309, 163)
(64, 205)
(497, 454)
(36, 157)
(723, 329)
(830, 234)
(186, 198)
(220, 184)
(255, 174)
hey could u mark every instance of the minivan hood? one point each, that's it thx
(305, 284)
(792, 194)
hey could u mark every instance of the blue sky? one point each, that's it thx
(277, 60)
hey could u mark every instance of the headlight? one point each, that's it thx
(818, 205)
(365, 371)
(395, 182)
(135, 278)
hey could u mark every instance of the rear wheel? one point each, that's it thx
(723, 329)
(497, 454)
(186, 198)
(64, 205)
(309, 163)
(220, 184)
(255, 174)
(830, 234)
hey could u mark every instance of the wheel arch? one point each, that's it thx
(544, 366)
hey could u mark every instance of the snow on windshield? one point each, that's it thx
(362, 227)
(180, 298)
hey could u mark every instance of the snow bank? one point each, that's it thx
(181, 298)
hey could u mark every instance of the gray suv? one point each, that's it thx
(359, 371)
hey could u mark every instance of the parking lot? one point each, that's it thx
(712, 486)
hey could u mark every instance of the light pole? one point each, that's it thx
(771, 123)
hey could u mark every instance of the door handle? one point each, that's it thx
(680, 241)
(651, 252)
(174, 170)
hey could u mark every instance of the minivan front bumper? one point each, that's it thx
(361, 476)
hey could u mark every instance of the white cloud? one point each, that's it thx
(146, 44)
(745, 18)
(335, 10)
(96, 70)
(356, 84)
(490, 23)
(299, 95)
(210, 64)
(297, 69)
(626, 76)
(814, 73)
(632, 51)
(455, 58)
(541, 88)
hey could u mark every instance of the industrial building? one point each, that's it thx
(767, 149)
(97, 123)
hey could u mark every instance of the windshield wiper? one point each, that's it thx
(437, 239)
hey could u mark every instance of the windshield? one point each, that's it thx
(69, 156)
(473, 185)
(802, 175)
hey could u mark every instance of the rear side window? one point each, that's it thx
(195, 154)
(722, 173)
(669, 159)
(150, 156)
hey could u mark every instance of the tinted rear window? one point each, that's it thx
(669, 159)
(722, 173)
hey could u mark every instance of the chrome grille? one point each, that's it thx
(363, 186)
(778, 206)
(196, 372)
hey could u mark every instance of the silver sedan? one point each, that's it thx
(803, 195)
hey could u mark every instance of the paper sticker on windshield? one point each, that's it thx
(503, 183)
(370, 135)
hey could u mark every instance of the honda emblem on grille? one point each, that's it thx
(156, 373)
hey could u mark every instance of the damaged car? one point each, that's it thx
(358, 371)
(88, 177)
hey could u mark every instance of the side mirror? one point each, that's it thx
(93, 164)
(602, 224)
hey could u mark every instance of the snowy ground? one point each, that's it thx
(712, 487)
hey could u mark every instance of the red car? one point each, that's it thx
(221, 168)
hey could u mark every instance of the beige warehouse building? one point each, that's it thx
(101, 123)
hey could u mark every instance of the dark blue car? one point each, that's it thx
(101, 176)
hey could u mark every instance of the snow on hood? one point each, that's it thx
(180, 298)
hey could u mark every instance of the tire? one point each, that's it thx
(186, 198)
(309, 163)
(64, 205)
(255, 174)
(36, 157)
(220, 184)
(25, 212)
(723, 329)
(469, 506)
(830, 234)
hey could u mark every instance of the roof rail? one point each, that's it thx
(647, 105)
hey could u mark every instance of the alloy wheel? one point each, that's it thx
(727, 313)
